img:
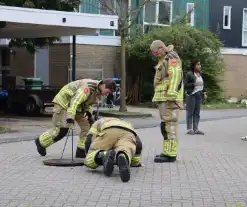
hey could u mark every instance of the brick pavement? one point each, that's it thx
(211, 171)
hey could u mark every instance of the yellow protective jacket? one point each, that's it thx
(78, 96)
(105, 123)
(168, 79)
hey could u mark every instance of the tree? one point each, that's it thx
(190, 43)
(126, 18)
(31, 43)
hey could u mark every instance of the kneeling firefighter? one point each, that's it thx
(74, 102)
(168, 94)
(113, 141)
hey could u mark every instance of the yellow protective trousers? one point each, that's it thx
(169, 114)
(60, 128)
(117, 139)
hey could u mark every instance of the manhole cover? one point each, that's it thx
(64, 162)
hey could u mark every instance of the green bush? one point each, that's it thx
(190, 43)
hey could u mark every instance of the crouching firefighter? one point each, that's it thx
(113, 141)
(74, 102)
(168, 94)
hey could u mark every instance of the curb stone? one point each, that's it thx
(136, 126)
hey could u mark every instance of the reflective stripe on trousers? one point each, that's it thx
(169, 115)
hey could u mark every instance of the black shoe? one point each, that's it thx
(160, 155)
(41, 150)
(80, 153)
(109, 162)
(124, 169)
(163, 158)
(139, 165)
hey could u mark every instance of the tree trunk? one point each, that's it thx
(123, 106)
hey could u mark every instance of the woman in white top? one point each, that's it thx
(194, 87)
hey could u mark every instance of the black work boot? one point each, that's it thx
(41, 150)
(109, 161)
(163, 158)
(100, 157)
(124, 168)
(159, 155)
(80, 153)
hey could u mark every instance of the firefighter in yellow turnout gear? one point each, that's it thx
(110, 141)
(74, 103)
(169, 91)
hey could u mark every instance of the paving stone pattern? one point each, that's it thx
(211, 171)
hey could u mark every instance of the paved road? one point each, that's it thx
(211, 171)
(29, 128)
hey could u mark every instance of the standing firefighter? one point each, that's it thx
(74, 103)
(169, 90)
(110, 141)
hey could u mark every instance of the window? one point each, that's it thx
(97, 7)
(158, 13)
(191, 13)
(109, 7)
(227, 17)
(244, 28)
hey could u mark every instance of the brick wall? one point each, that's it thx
(22, 63)
(235, 76)
(88, 58)
(96, 57)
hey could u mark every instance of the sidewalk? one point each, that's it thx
(210, 172)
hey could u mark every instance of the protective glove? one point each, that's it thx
(88, 114)
(70, 121)
(90, 117)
